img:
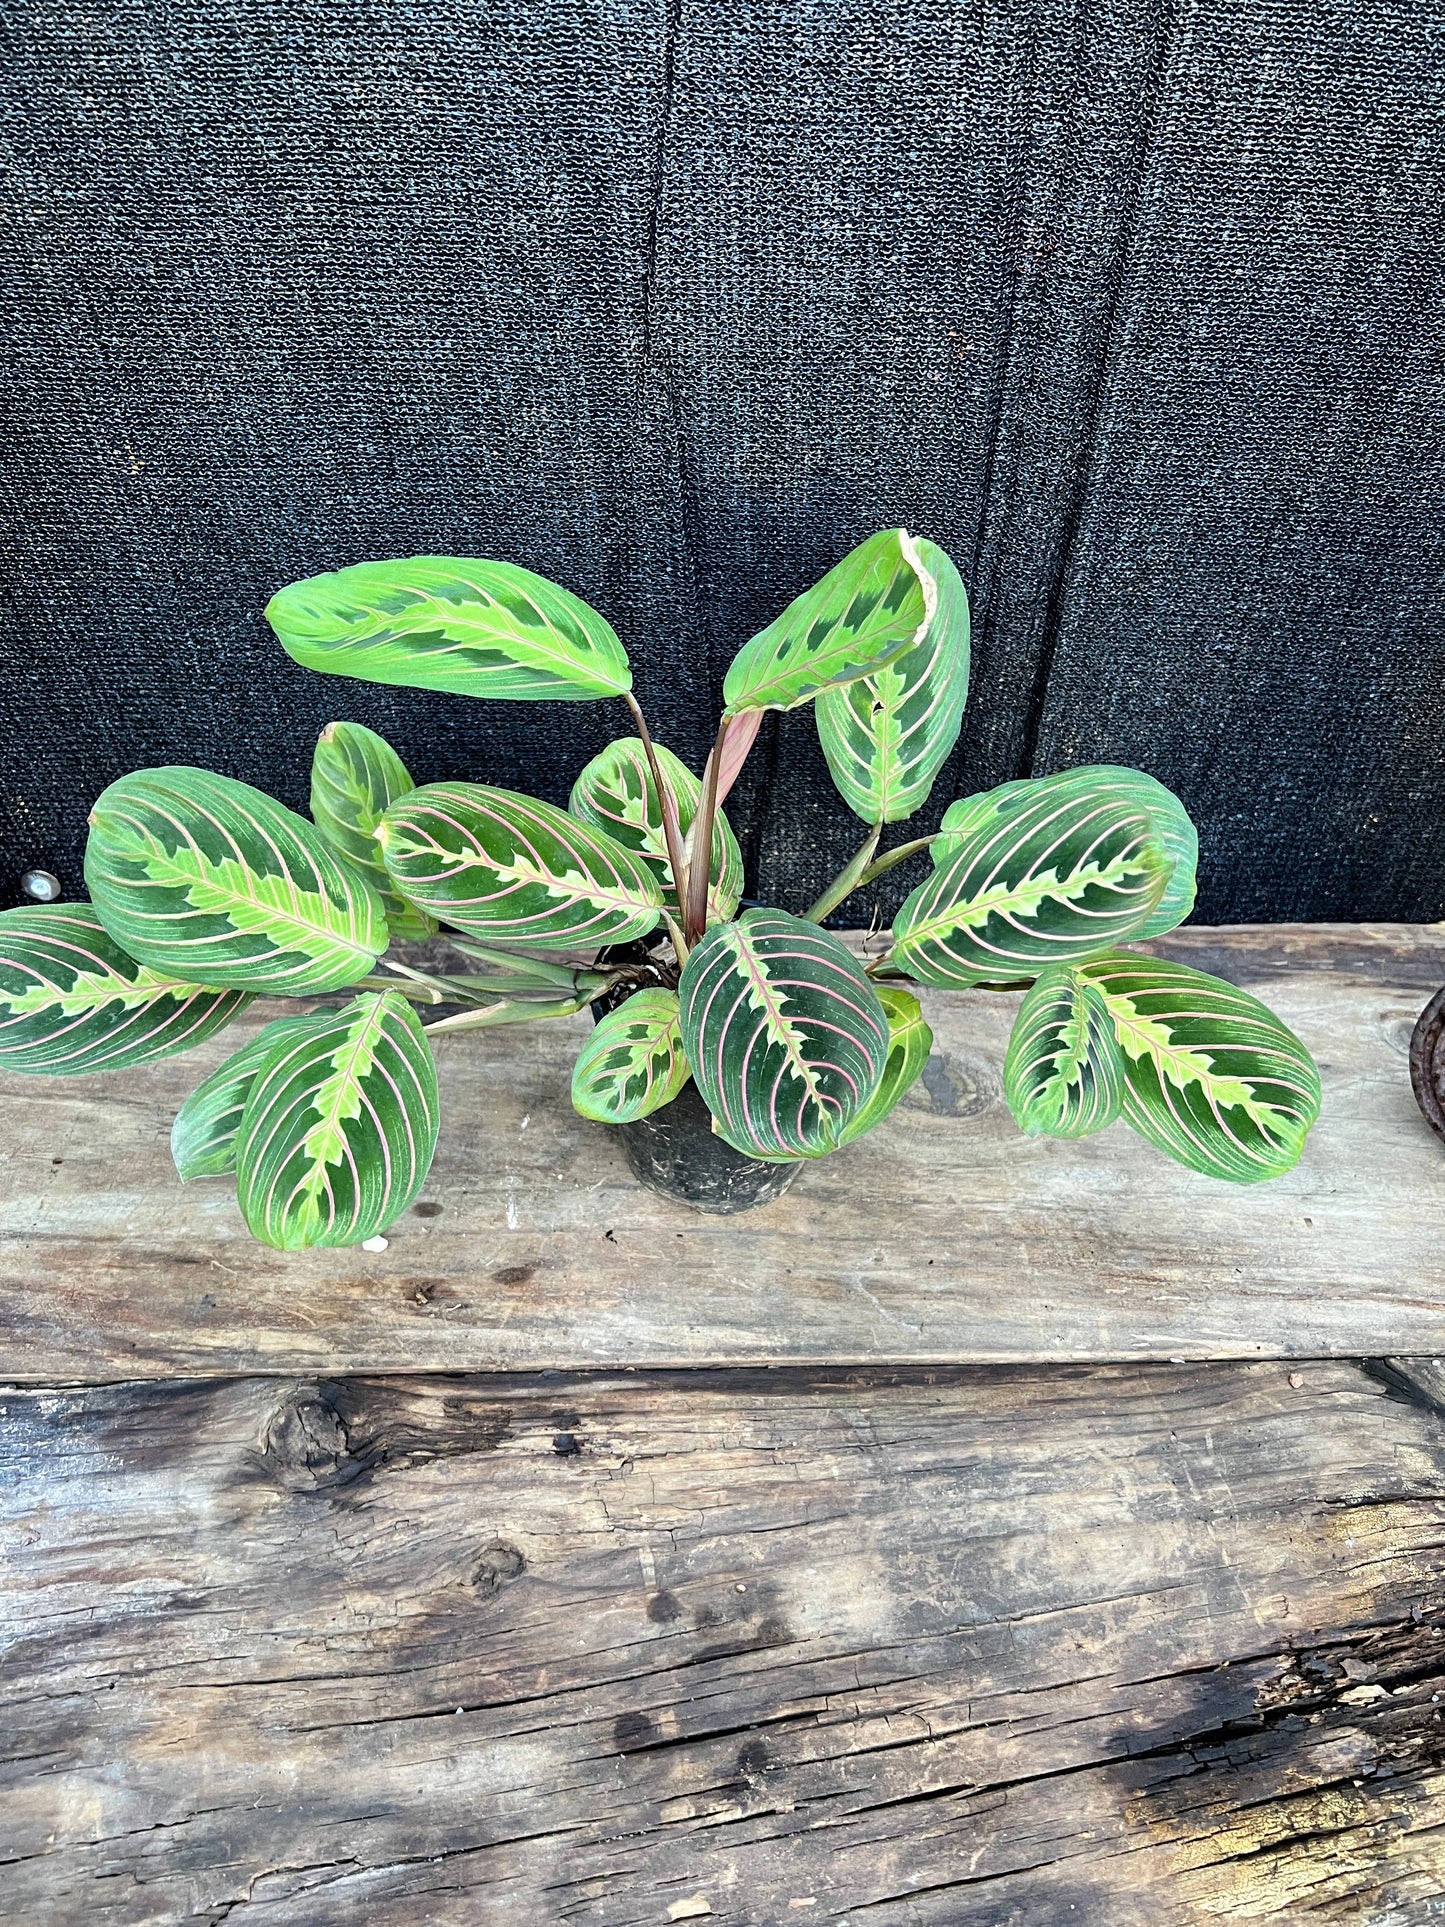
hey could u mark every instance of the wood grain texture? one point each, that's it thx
(950, 1648)
(944, 1235)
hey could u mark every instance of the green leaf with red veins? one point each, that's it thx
(786, 1036)
(874, 604)
(1211, 1076)
(616, 793)
(633, 1063)
(339, 1126)
(1064, 1072)
(206, 879)
(909, 1042)
(887, 735)
(1031, 875)
(72, 1001)
(514, 870)
(355, 776)
(456, 623)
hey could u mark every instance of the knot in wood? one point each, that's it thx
(956, 1086)
(499, 1563)
(305, 1444)
(1427, 1063)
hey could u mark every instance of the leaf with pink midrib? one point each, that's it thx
(785, 1034)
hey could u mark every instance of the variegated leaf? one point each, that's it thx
(355, 775)
(633, 1063)
(1032, 874)
(1167, 816)
(1212, 1077)
(203, 1137)
(71, 1000)
(887, 735)
(339, 1126)
(877, 602)
(213, 882)
(785, 1034)
(1063, 1075)
(1175, 830)
(616, 793)
(474, 628)
(909, 1044)
(516, 870)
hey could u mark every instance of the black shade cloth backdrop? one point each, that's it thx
(1135, 308)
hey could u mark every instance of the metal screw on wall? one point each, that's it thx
(41, 885)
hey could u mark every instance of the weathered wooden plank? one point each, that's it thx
(953, 1648)
(943, 1235)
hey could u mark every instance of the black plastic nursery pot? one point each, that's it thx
(677, 1152)
(1427, 1063)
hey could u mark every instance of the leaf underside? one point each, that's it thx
(786, 1036)
(72, 1001)
(339, 1126)
(459, 624)
(516, 870)
(215, 883)
(869, 608)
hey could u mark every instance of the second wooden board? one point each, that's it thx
(1083, 1647)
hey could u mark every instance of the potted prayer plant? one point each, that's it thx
(731, 1044)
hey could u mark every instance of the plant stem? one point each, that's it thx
(517, 963)
(847, 880)
(585, 983)
(667, 803)
(442, 989)
(890, 858)
(507, 1012)
(425, 990)
(695, 920)
(419, 993)
(476, 990)
(679, 941)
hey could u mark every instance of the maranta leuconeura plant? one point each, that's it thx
(204, 893)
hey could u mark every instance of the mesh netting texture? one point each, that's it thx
(1133, 307)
